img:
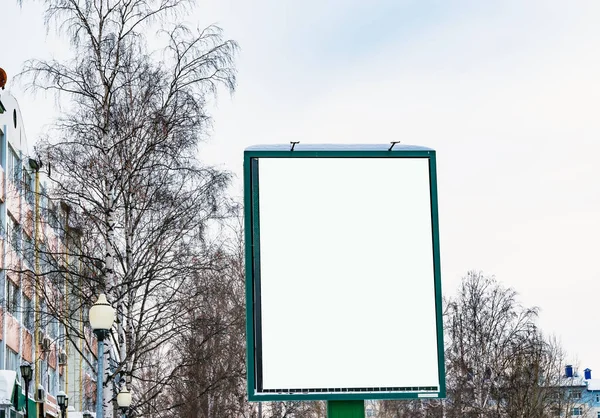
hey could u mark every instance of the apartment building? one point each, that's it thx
(32, 228)
(580, 393)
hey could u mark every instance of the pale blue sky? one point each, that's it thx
(506, 92)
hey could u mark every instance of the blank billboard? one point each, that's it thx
(343, 282)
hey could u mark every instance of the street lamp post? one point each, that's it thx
(102, 316)
(124, 399)
(26, 373)
(63, 401)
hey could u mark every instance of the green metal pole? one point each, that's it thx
(100, 333)
(345, 409)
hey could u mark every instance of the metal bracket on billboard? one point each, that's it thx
(393, 143)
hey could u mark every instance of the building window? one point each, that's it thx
(576, 394)
(13, 234)
(43, 315)
(86, 366)
(27, 187)
(44, 374)
(53, 328)
(57, 277)
(27, 312)
(12, 295)
(62, 339)
(12, 360)
(90, 366)
(576, 411)
(53, 215)
(14, 167)
(46, 265)
(28, 250)
(61, 380)
(43, 198)
(598, 415)
(52, 381)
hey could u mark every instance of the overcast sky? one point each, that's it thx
(506, 92)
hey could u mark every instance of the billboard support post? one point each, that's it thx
(345, 409)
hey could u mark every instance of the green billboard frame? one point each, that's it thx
(252, 258)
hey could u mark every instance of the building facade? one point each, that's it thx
(34, 240)
(580, 394)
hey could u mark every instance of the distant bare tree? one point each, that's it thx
(295, 409)
(411, 409)
(487, 333)
(123, 159)
(209, 380)
(498, 363)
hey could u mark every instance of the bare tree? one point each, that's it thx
(411, 409)
(123, 160)
(209, 380)
(498, 363)
(486, 328)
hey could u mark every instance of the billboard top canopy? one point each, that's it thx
(398, 147)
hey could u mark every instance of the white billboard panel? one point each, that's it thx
(345, 295)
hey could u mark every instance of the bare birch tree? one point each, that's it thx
(123, 159)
